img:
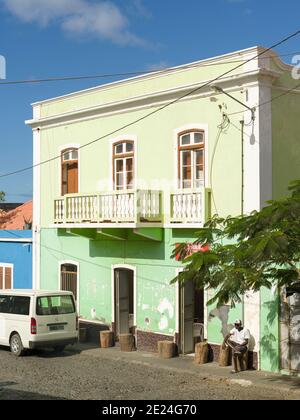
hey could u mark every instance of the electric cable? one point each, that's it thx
(161, 108)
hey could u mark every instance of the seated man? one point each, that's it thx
(238, 340)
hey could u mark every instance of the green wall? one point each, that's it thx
(286, 137)
(269, 331)
(156, 298)
(156, 154)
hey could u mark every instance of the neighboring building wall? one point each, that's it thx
(19, 254)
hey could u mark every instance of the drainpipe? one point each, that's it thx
(242, 122)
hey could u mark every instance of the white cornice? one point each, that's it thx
(237, 55)
(154, 99)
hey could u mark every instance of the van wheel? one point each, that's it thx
(59, 349)
(16, 346)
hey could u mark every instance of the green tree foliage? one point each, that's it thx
(2, 196)
(247, 252)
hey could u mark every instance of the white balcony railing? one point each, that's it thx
(140, 206)
(187, 206)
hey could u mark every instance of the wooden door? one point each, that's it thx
(187, 303)
(70, 178)
(123, 300)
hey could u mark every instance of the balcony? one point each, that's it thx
(140, 208)
(113, 208)
(189, 207)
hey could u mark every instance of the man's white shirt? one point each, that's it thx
(240, 337)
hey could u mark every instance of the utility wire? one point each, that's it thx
(132, 73)
(284, 40)
(271, 100)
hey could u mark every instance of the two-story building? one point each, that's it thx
(127, 170)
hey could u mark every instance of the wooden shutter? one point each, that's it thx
(8, 278)
(73, 178)
(1, 278)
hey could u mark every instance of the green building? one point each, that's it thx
(132, 168)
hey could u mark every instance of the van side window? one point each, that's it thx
(5, 304)
(20, 305)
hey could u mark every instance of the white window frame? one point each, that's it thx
(192, 128)
(75, 263)
(124, 172)
(2, 281)
(60, 150)
(129, 138)
(193, 169)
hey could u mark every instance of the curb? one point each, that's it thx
(205, 376)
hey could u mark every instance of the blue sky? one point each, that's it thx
(48, 38)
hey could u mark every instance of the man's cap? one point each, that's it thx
(238, 322)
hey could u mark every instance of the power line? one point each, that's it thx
(132, 73)
(275, 98)
(158, 109)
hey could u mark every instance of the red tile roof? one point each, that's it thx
(16, 219)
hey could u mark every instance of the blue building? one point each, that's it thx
(16, 250)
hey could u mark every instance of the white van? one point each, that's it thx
(31, 319)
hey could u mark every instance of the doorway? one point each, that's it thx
(124, 307)
(294, 332)
(191, 317)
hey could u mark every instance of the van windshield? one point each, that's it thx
(55, 305)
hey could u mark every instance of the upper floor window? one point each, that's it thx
(123, 165)
(69, 171)
(191, 159)
(6, 276)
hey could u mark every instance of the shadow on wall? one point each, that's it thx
(125, 249)
(269, 348)
(269, 342)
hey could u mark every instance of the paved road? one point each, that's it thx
(78, 375)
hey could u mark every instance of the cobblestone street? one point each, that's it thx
(82, 373)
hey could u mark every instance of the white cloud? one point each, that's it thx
(162, 65)
(77, 17)
(141, 9)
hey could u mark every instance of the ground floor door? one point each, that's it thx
(124, 301)
(191, 317)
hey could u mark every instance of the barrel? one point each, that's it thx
(106, 339)
(127, 342)
(224, 356)
(201, 353)
(166, 349)
(82, 335)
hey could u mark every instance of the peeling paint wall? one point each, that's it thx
(155, 297)
(221, 320)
